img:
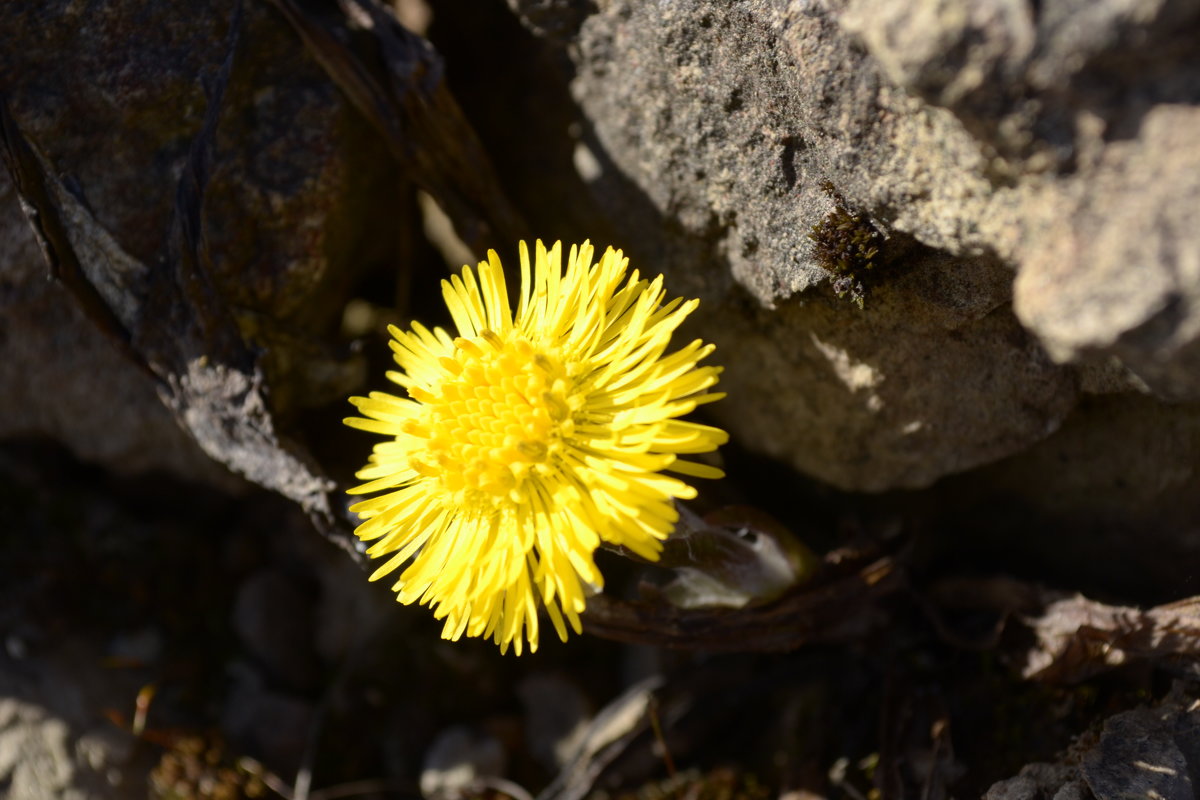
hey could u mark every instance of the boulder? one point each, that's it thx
(294, 214)
(988, 146)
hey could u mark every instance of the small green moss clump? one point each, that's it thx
(846, 244)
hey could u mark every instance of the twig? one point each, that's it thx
(656, 727)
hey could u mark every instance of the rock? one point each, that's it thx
(557, 20)
(267, 724)
(1040, 780)
(556, 716)
(63, 380)
(1119, 477)
(1079, 109)
(1117, 272)
(35, 760)
(348, 608)
(935, 375)
(457, 759)
(709, 181)
(1072, 790)
(895, 396)
(1018, 788)
(984, 143)
(298, 185)
(1082, 108)
(55, 743)
(295, 165)
(273, 616)
(967, 128)
(1147, 753)
(716, 181)
(1028, 175)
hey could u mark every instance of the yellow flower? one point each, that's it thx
(531, 438)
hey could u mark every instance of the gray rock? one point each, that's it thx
(55, 743)
(348, 608)
(1117, 271)
(1082, 111)
(457, 759)
(1018, 788)
(767, 100)
(1051, 147)
(1040, 780)
(35, 757)
(929, 380)
(1072, 790)
(1147, 753)
(1118, 477)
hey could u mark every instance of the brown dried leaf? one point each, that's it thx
(604, 739)
(1075, 638)
(1078, 638)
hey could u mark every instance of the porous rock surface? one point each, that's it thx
(1031, 170)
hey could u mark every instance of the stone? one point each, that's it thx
(934, 375)
(1147, 752)
(273, 616)
(1118, 271)
(457, 759)
(1039, 780)
(1119, 477)
(1018, 788)
(291, 221)
(35, 760)
(265, 723)
(55, 742)
(1082, 110)
(1027, 170)
(556, 715)
(894, 396)
(65, 381)
(988, 144)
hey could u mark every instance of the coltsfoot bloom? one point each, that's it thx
(529, 439)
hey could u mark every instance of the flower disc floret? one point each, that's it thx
(506, 410)
(530, 438)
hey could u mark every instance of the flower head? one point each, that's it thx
(529, 439)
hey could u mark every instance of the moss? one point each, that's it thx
(847, 245)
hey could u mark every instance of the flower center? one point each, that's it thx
(503, 413)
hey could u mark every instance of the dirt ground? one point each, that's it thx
(166, 639)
